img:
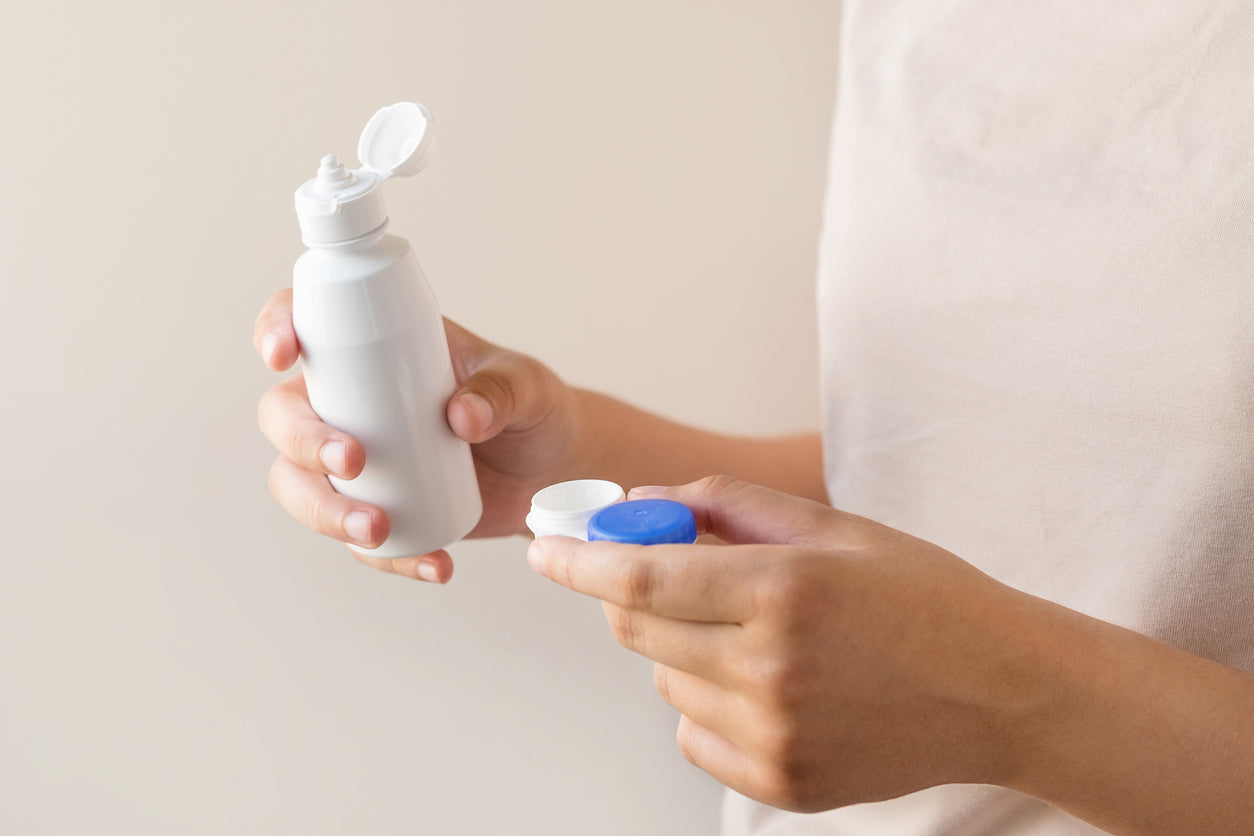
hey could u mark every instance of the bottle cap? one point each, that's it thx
(397, 140)
(341, 204)
(566, 507)
(644, 522)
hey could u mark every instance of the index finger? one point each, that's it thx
(274, 336)
(690, 582)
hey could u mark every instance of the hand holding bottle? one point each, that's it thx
(519, 417)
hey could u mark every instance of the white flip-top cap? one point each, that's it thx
(338, 204)
(397, 140)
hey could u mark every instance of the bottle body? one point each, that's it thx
(377, 366)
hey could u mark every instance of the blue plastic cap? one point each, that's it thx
(644, 522)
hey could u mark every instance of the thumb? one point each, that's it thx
(498, 389)
(740, 512)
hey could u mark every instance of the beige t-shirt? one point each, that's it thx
(1037, 312)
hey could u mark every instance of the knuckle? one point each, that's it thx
(275, 315)
(790, 776)
(562, 572)
(638, 584)
(625, 626)
(791, 591)
(266, 407)
(722, 485)
(662, 682)
(781, 679)
(782, 742)
(304, 438)
(503, 383)
(261, 324)
(788, 790)
(685, 740)
(318, 515)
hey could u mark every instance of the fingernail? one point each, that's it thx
(268, 344)
(332, 455)
(357, 526)
(428, 572)
(535, 556)
(479, 409)
(645, 491)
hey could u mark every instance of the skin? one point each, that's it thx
(527, 430)
(817, 658)
(823, 659)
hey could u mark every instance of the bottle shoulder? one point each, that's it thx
(351, 262)
(372, 292)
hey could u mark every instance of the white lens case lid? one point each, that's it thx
(566, 508)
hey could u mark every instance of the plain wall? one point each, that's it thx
(629, 191)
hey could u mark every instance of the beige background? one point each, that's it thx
(630, 191)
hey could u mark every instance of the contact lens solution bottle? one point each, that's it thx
(372, 343)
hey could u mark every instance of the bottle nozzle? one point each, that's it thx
(332, 175)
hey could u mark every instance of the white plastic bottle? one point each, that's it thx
(372, 342)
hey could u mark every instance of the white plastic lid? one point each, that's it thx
(338, 204)
(397, 140)
(566, 507)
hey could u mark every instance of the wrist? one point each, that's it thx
(1011, 689)
(1046, 693)
(1091, 681)
(1129, 733)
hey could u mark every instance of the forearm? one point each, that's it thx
(633, 447)
(1136, 736)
